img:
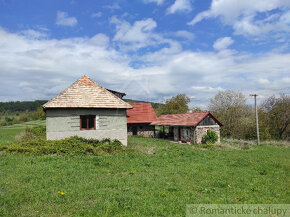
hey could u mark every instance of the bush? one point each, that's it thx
(70, 146)
(32, 133)
(39, 114)
(210, 137)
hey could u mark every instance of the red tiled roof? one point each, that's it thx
(85, 93)
(141, 113)
(187, 119)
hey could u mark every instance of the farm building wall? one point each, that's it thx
(186, 134)
(194, 134)
(63, 123)
(141, 129)
(200, 131)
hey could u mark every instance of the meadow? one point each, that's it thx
(152, 178)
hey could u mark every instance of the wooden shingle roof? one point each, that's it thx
(85, 93)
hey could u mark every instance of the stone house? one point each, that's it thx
(88, 110)
(139, 119)
(190, 127)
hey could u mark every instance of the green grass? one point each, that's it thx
(155, 178)
(8, 133)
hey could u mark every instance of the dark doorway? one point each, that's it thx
(134, 130)
(179, 133)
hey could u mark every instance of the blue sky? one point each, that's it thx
(150, 49)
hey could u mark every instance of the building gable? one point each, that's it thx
(207, 121)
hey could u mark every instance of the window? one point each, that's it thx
(88, 122)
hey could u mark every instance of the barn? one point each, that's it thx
(189, 127)
(88, 110)
(139, 119)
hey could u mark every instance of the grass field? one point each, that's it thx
(8, 133)
(155, 178)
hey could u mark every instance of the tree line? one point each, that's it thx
(18, 106)
(19, 112)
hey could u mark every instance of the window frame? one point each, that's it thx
(87, 117)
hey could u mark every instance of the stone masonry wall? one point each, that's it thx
(145, 130)
(200, 131)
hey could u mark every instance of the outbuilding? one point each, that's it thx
(139, 119)
(88, 110)
(190, 127)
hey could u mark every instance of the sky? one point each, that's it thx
(149, 49)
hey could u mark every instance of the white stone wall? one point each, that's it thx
(63, 123)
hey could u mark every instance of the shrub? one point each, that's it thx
(39, 114)
(210, 137)
(32, 133)
(24, 118)
(109, 146)
(70, 146)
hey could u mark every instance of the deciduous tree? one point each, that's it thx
(230, 107)
(277, 110)
(174, 105)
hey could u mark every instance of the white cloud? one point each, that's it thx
(184, 34)
(114, 6)
(223, 43)
(207, 89)
(141, 34)
(285, 18)
(100, 40)
(263, 81)
(168, 70)
(179, 6)
(242, 15)
(62, 19)
(138, 32)
(158, 2)
(97, 14)
(30, 33)
(137, 35)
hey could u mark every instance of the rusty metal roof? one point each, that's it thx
(141, 113)
(85, 93)
(187, 119)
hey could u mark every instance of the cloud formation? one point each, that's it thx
(158, 2)
(97, 14)
(180, 6)
(62, 19)
(41, 68)
(223, 43)
(250, 18)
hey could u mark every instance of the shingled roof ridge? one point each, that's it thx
(120, 100)
(85, 77)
